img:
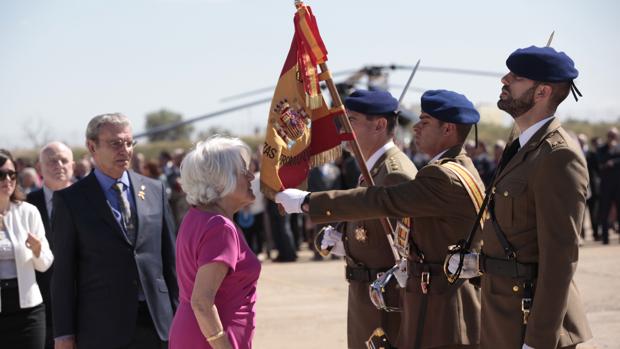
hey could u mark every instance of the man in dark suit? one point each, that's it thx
(114, 282)
(609, 168)
(56, 165)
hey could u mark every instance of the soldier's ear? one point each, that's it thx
(381, 124)
(543, 91)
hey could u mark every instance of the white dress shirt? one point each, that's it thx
(372, 160)
(526, 135)
(438, 156)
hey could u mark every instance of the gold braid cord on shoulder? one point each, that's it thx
(476, 194)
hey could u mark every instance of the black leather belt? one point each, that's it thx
(363, 274)
(508, 268)
(8, 283)
(416, 269)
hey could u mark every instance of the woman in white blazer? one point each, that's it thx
(23, 249)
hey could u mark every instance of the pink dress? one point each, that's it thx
(205, 238)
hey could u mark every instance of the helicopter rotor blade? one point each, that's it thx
(168, 127)
(375, 69)
(271, 88)
(474, 72)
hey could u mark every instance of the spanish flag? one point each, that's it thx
(301, 131)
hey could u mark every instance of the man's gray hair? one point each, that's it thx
(95, 124)
(209, 172)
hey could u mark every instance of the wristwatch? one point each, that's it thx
(305, 205)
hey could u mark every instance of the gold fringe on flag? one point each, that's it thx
(325, 157)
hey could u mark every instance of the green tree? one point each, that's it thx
(166, 117)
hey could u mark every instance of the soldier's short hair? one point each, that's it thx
(559, 92)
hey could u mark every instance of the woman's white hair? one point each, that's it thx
(209, 172)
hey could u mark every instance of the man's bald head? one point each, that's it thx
(56, 161)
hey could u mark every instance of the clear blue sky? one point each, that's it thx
(62, 61)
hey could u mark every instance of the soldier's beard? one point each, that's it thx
(519, 106)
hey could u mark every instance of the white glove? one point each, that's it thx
(525, 346)
(402, 274)
(471, 267)
(332, 237)
(291, 199)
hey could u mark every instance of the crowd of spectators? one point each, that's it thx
(278, 237)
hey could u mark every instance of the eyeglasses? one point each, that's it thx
(120, 143)
(12, 175)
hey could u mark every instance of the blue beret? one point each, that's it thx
(371, 102)
(542, 64)
(449, 106)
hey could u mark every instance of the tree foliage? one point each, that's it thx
(165, 117)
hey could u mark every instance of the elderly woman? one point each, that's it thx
(23, 249)
(217, 271)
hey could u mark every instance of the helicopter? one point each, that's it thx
(370, 77)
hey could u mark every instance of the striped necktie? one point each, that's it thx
(125, 208)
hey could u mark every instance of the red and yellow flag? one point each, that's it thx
(301, 131)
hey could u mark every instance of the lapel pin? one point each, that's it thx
(141, 192)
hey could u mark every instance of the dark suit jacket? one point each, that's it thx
(44, 280)
(95, 281)
(37, 198)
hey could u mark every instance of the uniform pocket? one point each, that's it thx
(503, 286)
(510, 203)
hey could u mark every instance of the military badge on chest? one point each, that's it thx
(401, 236)
(361, 235)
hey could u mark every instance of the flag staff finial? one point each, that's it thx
(550, 39)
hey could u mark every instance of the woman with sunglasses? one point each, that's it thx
(23, 249)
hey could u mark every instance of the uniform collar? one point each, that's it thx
(372, 160)
(526, 135)
(438, 156)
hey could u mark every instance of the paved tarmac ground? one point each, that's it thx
(303, 304)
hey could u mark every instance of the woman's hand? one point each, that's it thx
(34, 244)
(221, 343)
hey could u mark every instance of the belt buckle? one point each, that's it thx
(425, 281)
(526, 305)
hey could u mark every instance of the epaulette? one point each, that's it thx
(444, 160)
(555, 139)
(393, 164)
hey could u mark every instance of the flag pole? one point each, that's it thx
(357, 152)
(402, 95)
(550, 39)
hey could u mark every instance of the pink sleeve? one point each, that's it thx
(218, 244)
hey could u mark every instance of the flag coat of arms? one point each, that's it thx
(301, 131)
